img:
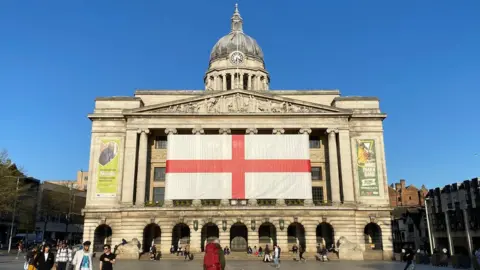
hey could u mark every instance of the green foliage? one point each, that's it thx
(8, 183)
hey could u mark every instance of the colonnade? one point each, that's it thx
(339, 163)
(236, 80)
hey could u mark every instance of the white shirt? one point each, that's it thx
(46, 256)
(275, 252)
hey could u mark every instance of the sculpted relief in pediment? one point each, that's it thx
(237, 103)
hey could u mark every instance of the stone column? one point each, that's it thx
(170, 132)
(251, 131)
(225, 131)
(346, 166)
(278, 131)
(129, 167)
(142, 167)
(310, 236)
(333, 165)
(197, 131)
(240, 80)
(249, 84)
(195, 238)
(307, 132)
(468, 234)
(224, 81)
(165, 238)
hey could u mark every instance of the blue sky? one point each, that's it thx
(421, 58)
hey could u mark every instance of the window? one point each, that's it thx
(161, 142)
(315, 142)
(409, 197)
(316, 173)
(399, 199)
(410, 227)
(158, 194)
(159, 174)
(85, 178)
(317, 194)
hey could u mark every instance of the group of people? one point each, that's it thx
(42, 258)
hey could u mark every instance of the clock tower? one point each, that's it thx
(236, 62)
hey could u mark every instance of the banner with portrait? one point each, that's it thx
(367, 168)
(107, 168)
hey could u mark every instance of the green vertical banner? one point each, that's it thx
(367, 168)
(107, 171)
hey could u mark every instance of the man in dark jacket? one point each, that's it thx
(44, 260)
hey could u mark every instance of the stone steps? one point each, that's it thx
(238, 256)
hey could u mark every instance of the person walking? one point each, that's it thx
(45, 260)
(408, 257)
(64, 256)
(30, 258)
(186, 253)
(301, 250)
(83, 258)
(276, 256)
(107, 259)
(214, 258)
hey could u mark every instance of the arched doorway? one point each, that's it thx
(267, 234)
(296, 235)
(325, 235)
(102, 236)
(238, 237)
(210, 232)
(180, 235)
(373, 236)
(151, 235)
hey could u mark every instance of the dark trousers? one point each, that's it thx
(301, 256)
(62, 266)
(407, 265)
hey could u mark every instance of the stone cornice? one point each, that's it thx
(356, 98)
(304, 92)
(118, 99)
(170, 92)
(197, 211)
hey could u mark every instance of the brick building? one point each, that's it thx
(410, 196)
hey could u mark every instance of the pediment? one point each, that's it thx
(238, 102)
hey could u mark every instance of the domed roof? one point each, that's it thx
(236, 40)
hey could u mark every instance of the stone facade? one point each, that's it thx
(350, 197)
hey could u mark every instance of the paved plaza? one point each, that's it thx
(245, 265)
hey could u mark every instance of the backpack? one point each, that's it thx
(211, 261)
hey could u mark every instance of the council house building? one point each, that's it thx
(238, 161)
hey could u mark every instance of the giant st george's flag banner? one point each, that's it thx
(238, 167)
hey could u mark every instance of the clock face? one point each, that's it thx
(236, 58)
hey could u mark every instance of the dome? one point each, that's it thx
(236, 40)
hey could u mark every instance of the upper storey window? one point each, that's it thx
(315, 142)
(161, 142)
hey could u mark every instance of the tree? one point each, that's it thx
(8, 184)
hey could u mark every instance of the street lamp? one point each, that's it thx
(431, 237)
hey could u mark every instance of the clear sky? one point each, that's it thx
(421, 58)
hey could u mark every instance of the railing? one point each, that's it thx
(154, 204)
(210, 202)
(322, 203)
(182, 202)
(294, 202)
(266, 202)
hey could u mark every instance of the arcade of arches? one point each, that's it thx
(238, 236)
